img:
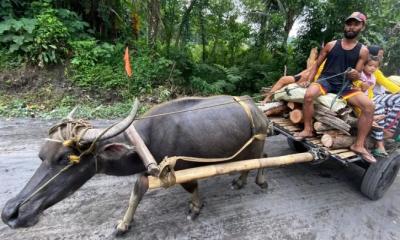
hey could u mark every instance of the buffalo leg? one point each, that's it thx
(260, 179)
(140, 187)
(195, 203)
(241, 181)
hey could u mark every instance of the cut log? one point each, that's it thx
(270, 105)
(352, 121)
(277, 111)
(334, 122)
(296, 116)
(337, 142)
(333, 132)
(294, 105)
(319, 127)
(324, 110)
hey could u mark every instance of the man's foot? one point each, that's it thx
(377, 152)
(364, 153)
(302, 135)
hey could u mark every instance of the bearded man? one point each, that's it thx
(341, 55)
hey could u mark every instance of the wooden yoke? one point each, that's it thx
(144, 153)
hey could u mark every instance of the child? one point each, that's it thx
(368, 79)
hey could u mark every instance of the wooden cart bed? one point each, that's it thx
(287, 128)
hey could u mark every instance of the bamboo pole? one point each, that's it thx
(144, 153)
(191, 174)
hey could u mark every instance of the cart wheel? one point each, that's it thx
(380, 176)
(296, 146)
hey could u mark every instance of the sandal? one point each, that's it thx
(301, 138)
(365, 155)
(379, 153)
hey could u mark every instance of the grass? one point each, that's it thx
(15, 107)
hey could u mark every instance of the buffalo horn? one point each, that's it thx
(70, 115)
(118, 128)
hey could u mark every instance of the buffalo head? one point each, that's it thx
(70, 156)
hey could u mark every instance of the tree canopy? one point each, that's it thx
(189, 46)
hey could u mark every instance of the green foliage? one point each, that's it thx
(181, 47)
(17, 35)
(50, 38)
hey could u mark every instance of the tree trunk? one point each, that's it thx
(185, 21)
(337, 142)
(153, 22)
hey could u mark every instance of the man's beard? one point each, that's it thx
(350, 35)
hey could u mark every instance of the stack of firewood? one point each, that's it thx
(334, 128)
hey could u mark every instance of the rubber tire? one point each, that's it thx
(380, 176)
(296, 146)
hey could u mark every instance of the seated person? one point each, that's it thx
(387, 105)
(341, 55)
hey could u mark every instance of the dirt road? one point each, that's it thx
(302, 202)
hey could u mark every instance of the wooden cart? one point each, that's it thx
(377, 178)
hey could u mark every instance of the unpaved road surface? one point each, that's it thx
(302, 201)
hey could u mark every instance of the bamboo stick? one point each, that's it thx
(144, 153)
(191, 174)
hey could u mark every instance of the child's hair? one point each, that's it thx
(372, 58)
(374, 49)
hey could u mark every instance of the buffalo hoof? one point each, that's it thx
(121, 228)
(263, 185)
(237, 184)
(194, 211)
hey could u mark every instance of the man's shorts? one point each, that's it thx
(326, 86)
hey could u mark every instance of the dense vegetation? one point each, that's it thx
(191, 47)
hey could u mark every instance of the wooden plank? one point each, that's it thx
(336, 151)
(346, 154)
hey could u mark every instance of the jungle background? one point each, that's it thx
(55, 54)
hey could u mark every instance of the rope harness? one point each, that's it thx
(167, 165)
(70, 133)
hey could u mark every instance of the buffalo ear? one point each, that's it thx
(115, 151)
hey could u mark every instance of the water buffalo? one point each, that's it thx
(213, 132)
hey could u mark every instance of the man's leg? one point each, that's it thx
(282, 82)
(312, 92)
(364, 124)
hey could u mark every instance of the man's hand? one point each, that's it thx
(353, 75)
(303, 84)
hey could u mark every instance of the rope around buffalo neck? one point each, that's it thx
(72, 161)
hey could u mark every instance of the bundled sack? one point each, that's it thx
(295, 93)
(395, 79)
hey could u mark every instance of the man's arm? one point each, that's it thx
(354, 74)
(321, 58)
